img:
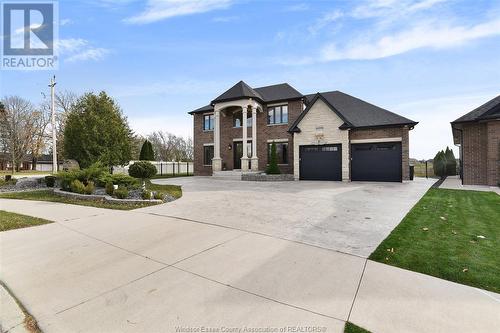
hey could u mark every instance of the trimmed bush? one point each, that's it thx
(142, 170)
(8, 178)
(11, 181)
(89, 188)
(159, 196)
(110, 188)
(50, 181)
(272, 168)
(146, 195)
(121, 193)
(117, 179)
(77, 186)
(147, 153)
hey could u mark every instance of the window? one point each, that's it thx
(281, 151)
(208, 122)
(277, 115)
(238, 119)
(208, 155)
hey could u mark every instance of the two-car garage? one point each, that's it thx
(379, 161)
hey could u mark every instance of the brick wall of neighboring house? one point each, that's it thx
(475, 154)
(388, 132)
(493, 168)
(229, 134)
(200, 137)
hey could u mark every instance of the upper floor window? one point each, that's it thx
(208, 122)
(238, 119)
(277, 114)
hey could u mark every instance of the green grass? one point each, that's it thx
(439, 237)
(9, 221)
(351, 328)
(172, 176)
(173, 190)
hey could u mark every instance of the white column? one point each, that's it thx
(255, 159)
(217, 161)
(244, 158)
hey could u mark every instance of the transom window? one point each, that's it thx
(208, 122)
(281, 152)
(208, 155)
(238, 119)
(277, 115)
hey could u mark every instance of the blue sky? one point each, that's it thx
(429, 60)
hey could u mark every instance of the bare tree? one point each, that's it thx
(17, 123)
(40, 135)
(65, 102)
(168, 147)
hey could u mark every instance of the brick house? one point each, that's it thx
(478, 135)
(322, 136)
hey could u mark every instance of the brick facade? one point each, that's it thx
(388, 132)
(480, 153)
(265, 133)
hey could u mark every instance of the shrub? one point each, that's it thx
(147, 153)
(11, 181)
(89, 188)
(110, 188)
(92, 173)
(146, 195)
(50, 181)
(159, 195)
(117, 179)
(143, 170)
(451, 162)
(272, 168)
(8, 178)
(77, 187)
(121, 193)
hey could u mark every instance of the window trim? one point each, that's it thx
(205, 146)
(249, 119)
(203, 122)
(273, 107)
(278, 142)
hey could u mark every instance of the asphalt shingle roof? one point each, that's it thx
(354, 111)
(488, 110)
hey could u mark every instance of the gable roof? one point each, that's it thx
(355, 112)
(489, 110)
(238, 91)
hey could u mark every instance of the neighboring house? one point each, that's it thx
(44, 163)
(323, 136)
(478, 134)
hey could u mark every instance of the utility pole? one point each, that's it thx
(52, 86)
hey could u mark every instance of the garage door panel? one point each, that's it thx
(376, 162)
(322, 162)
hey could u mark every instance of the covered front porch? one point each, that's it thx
(235, 136)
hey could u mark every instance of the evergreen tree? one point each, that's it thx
(451, 162)
(439, 164)
(272, 168)
(147, 153)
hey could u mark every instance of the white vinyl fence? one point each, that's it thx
(164, 168)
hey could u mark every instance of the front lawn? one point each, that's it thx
(450, 234)
(351, 328)
(48, 195)
(9, 221)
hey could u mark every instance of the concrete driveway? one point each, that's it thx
(348, 217)
(98, 270)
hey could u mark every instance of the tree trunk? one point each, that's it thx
(33, 163)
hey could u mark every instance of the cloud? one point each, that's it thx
(299, 7)
(78, 49)
(324, 20)
(157, 10)
(64, 22)
(420, 36)
(225, 19)
(392, 8)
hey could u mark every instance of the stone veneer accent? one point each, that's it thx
(320, 115)
(480, 153)
(384, 133)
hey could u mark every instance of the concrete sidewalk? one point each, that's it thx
(117, 271)
(455, 183)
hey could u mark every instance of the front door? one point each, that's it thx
(238, 153)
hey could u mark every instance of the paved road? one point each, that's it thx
(97, 270)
